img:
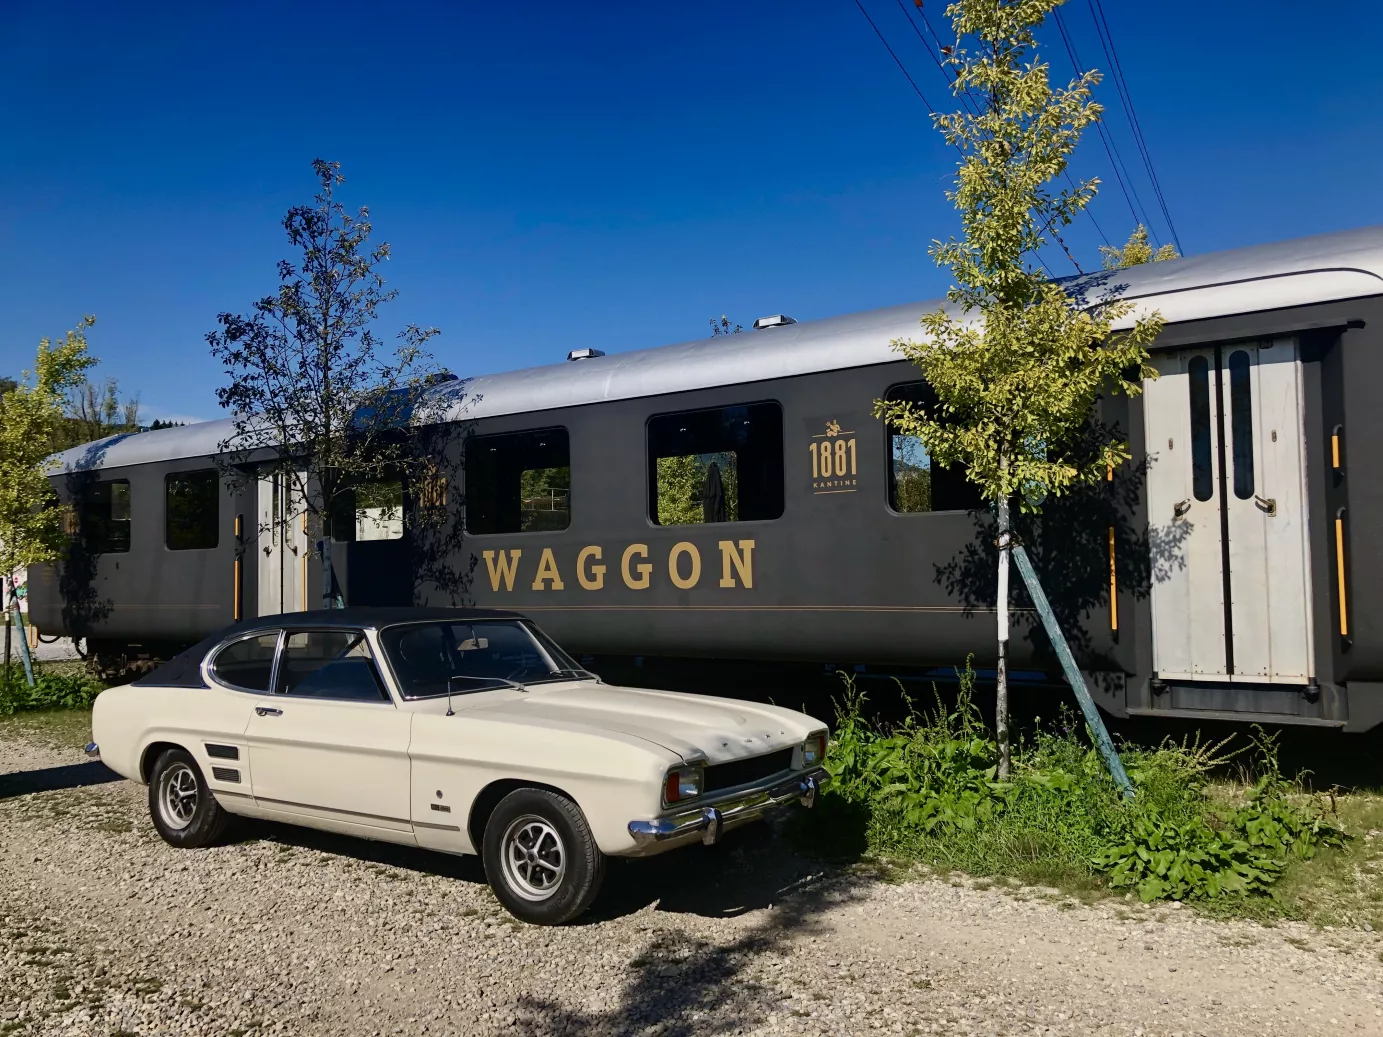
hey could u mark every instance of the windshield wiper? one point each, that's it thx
(578, 674)
(502, 681)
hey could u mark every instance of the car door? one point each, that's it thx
(329, 748)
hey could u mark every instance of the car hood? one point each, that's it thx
(689, 725)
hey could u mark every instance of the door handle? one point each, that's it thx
(267, 711)
(1181, 509)
(1268, 504)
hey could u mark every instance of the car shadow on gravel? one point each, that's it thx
(52, 779)
(684, 984)
(752, 869)
(406, 858)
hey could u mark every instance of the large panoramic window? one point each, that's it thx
(720, 465)
(915, 482)
(519, 482)
(106, 517)
(191, 510)
(371, 511)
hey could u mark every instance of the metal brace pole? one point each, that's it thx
(1073, 675)
(23, 636)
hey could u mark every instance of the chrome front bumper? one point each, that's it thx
(710, 819)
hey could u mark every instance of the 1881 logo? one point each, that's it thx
(834, 464)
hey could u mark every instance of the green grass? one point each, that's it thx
(925, 793)
(1340, 886)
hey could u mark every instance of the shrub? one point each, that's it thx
(54, 689)
(1162, 860)
(927, 789)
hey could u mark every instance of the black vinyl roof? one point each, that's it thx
(184, 670)
(362, 616)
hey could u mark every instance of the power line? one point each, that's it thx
(1086, 210)
(1107, 41)
(916, 89)
(1129, 191)
(950, 77)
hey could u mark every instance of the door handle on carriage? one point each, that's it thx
(1268, 504)
(267, 711)
(1181, 509)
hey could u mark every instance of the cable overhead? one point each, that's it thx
(1076, 187)
(935, 55)
(1107, 41)
(1129, 191)
(916, 89)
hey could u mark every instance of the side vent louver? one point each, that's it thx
(226, 774)
(222, 752)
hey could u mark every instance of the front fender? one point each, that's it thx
(611, 776)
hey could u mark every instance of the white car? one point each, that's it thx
(465, 731)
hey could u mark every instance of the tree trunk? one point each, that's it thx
(329, 596)
(1001, 679)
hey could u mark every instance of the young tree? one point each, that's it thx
(1136, 252)
(724, 326)
(31, 416)
(1017, 363)
(317, 396)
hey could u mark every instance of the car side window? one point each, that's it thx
(329, 664)
(247, 664)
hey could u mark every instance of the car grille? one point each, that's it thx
(741, 772)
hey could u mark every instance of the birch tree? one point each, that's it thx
(1017, 363)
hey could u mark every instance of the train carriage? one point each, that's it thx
(734, 498)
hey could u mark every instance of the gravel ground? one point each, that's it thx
(108, 931)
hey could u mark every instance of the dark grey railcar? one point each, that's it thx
(1226, 573)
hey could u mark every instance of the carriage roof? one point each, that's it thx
(1342, 265)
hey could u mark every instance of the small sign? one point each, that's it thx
(835, 464)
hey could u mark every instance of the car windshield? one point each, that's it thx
(473, 656)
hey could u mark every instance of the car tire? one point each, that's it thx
(182, 807)
(540, 857)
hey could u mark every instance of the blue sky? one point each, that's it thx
(552, 176)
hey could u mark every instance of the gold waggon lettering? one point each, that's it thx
(682, 567)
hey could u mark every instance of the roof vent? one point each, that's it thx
(585, 354)
(778, 320)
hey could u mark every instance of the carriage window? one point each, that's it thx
(1241, 423)
(1198, 375)
(106, 517)
(329, 664)
(915, 483)
(191, 510)
(247, 664)
(519, 482)
(371, 511)
(722, 465)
